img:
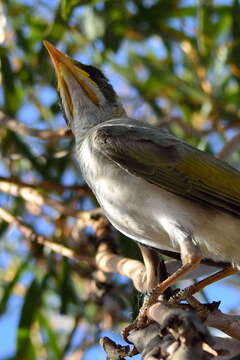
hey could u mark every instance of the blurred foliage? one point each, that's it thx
(174, 63)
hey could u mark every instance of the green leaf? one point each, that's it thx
(30, 307)
(10, 286)
(13, 94)
(51, 338)
(93, 25)
(67, 292)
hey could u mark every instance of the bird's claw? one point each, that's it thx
(140, 322)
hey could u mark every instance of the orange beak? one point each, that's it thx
(62, 63)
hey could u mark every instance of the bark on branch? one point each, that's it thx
(176, 334)
(135, 270)
(180, 334)
(186, 336)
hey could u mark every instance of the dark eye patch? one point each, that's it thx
(100, 79)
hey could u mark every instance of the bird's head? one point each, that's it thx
(86, 95)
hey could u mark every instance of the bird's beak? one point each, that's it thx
(63, 65)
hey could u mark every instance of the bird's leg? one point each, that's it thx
(191, 257)
(151, 261)
(191, 290)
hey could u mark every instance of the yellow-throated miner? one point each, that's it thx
(153, 187)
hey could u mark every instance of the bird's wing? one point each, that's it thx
(170, 163)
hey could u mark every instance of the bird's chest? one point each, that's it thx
(114, 188)
(125, 198)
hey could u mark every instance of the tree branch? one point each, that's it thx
(180, 334)
(81, 190)
(112, 263)
(229, 324)
(135, 270)
(31, 194)
(50, 135)
(229, 147)
(30, 235)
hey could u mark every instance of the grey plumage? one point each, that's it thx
(153, 187)
(144, 210)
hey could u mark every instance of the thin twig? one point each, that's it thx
(40, 239)
(201, 71)
(31, 194)
(79, 353)
(82, 190)
(68, 344)
(186, 127)
(229, 147)
(22, 129)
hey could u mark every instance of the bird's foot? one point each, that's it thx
(181, 295)
(202, 310)
(141, 321)
(151, 298)
(194, 288)
(186, 294)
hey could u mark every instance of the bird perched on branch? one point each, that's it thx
(153, 187)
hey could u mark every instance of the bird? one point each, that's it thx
(153, 187)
